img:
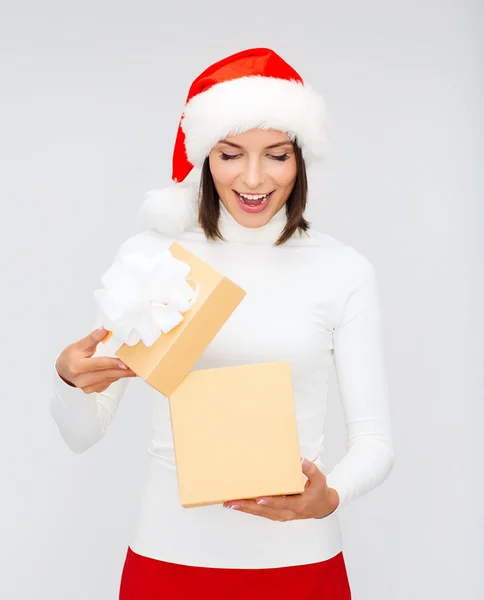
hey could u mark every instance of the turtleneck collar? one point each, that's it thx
(232, 231)
(174, 210)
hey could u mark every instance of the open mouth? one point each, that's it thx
(253, 202)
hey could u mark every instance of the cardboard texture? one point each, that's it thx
(164, 364)
(235, 434)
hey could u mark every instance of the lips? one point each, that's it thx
(253, 206)
(254, 201)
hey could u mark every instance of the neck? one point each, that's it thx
(232, 231)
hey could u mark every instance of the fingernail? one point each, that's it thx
(305, 463)
(122, 366)
(235, 506)
(261, 501)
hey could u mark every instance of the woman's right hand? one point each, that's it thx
(77, 366)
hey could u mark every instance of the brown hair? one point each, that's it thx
(209, 208)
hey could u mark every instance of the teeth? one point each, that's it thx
(252, 197)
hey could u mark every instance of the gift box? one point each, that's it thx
(235, 434)
(162, 310)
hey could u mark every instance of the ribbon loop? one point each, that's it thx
(144, 296)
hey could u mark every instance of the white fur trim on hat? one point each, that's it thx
(256, 101)
(170, 210)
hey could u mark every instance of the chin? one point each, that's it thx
(252, 221)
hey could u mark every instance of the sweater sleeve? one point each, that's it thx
(364, 391)
(83, 418)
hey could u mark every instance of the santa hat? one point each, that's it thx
(251, 89)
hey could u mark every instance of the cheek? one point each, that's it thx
(223, 171)
(284, 174)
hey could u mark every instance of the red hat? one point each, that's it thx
(251, 89)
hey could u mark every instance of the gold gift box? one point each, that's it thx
(164, 364)
(235, 434)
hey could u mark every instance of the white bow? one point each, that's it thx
(145, 296)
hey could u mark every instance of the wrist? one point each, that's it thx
(333, 502)
(61, 376)
(334, 499)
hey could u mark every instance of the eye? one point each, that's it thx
(279, 157)
(224, 156)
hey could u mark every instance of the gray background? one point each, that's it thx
(91, 96)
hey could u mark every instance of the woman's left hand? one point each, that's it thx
(317, 500)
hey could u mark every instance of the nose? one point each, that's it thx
(253, 175)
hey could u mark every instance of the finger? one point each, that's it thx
(102, 363)
(294, 503)
(101, 378)
(252, 508)
(311, 471)
(86, 366)
(98, 387)
(89, 343)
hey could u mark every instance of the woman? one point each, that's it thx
(252, 125)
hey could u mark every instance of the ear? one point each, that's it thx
(170, 210)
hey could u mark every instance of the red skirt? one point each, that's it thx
(150, 579)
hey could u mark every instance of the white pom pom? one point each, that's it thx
(170, 210)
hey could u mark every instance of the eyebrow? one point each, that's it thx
(286, 142)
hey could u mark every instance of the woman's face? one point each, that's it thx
(254, 163)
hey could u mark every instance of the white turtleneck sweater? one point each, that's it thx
(312, 301)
